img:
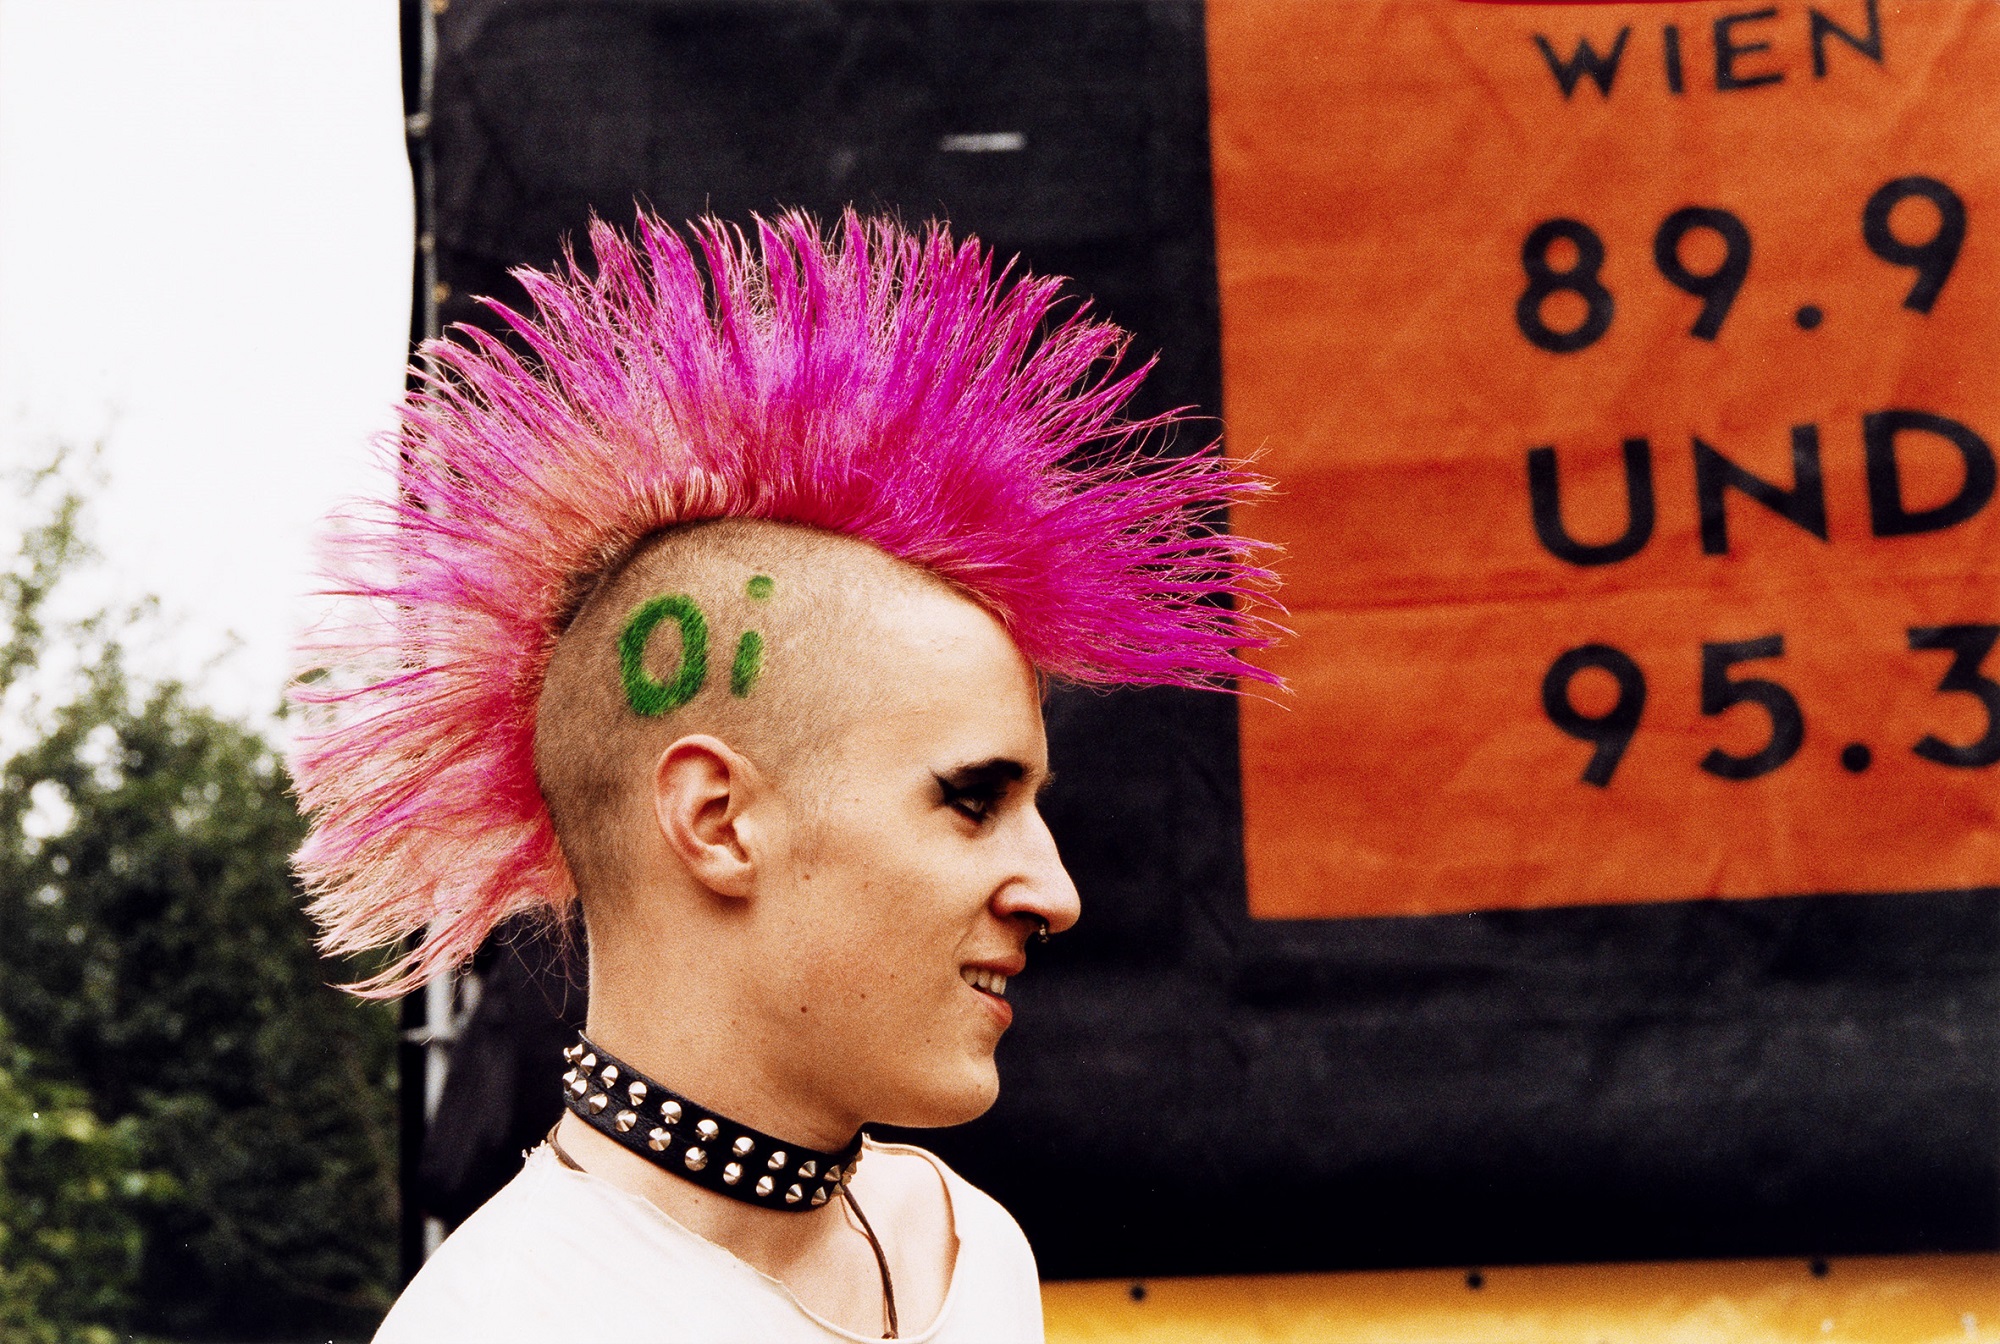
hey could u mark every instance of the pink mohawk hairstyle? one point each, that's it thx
(876, 384)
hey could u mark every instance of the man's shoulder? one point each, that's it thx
(509, 1263)
(519, 1267)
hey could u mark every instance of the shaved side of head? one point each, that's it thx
(753, 632)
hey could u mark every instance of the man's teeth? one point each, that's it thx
(990, 981)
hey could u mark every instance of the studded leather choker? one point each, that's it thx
(698, 1144)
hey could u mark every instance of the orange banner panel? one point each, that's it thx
(1631, 378)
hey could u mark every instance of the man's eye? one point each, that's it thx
(973, 804)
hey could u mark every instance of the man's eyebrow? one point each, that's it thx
(985, 775)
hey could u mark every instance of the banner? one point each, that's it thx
(1629, 375)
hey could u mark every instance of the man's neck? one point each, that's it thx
(727, 1073)
(671, 1007)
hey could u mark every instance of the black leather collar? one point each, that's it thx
(698, 1144)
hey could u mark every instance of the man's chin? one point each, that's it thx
(929, 1105)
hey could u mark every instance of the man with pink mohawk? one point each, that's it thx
(724, 613)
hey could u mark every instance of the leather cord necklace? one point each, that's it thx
(709, 1149)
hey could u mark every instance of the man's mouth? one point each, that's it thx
(980, 978)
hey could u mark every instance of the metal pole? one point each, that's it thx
(419, 1069)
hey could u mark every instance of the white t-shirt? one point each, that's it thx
(560, 1254)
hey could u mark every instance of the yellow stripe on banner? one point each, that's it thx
(1930, 1299)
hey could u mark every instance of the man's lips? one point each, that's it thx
(989, 980)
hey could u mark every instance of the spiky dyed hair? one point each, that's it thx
(869, 382)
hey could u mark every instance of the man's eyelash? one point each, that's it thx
(973, 802)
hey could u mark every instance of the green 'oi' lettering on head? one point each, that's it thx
(647, 695)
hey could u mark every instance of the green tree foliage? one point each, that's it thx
(72, 1194)
(154, 956)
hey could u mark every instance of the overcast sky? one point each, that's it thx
(205, 224)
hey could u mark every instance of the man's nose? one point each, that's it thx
(1042, 889)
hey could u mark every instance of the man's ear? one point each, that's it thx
(701, 789)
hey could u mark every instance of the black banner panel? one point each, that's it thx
(1188, 1089)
